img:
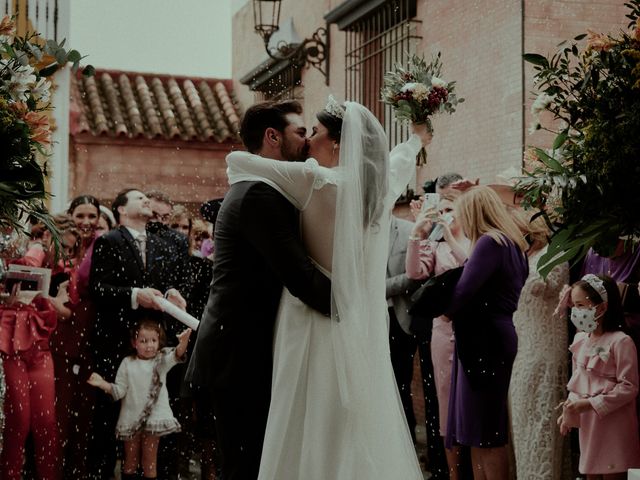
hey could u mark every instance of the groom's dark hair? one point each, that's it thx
(265, 115)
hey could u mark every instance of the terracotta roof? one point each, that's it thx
(130, 104)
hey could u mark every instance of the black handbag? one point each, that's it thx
(433, 298)
(630, 297)
(477, 346)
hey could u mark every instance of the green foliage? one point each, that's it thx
(586, 184)
(24, 124)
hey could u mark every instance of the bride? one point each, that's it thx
(335, 410)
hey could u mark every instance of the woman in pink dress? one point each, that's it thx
(604, 384)
(426, 258)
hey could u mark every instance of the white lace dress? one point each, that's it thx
(311, 432)
(134, 383)
(539, 376)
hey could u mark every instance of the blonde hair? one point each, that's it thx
(481, 212)
(178, 212)
(200, 228)
(537, 229)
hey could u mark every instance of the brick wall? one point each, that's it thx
(187, 172)
(549, 22)
(480, 43)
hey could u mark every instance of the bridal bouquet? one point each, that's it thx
(26, 63)
(417, 92)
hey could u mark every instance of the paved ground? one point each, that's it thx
(421, 447)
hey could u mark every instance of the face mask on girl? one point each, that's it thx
(584, 319)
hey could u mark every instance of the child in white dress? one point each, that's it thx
(145, 414)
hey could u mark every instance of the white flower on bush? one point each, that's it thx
(41, 92)
(22, 78)
(541, 102)
(438, 82)
(535, 125)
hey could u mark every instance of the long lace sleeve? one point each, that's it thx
(295, 180)
(402, 164)
(121, 384)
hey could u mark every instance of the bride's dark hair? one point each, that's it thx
(374, 173)
(332, 123)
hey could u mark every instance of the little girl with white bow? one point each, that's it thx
(604, 384)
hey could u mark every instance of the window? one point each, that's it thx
(286, 85)
(34, 16)
(275, 80)
(379, 34)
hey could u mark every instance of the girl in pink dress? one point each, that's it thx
(426, 258)
(604, 384)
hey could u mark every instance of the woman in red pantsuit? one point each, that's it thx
(30, 396)
(25, 331)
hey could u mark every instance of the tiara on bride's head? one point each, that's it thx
(334, 108)
(597, 284)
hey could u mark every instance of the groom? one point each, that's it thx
(258, 251)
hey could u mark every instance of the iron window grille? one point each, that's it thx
(286, 85)
(374, 43)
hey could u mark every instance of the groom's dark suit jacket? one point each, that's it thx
(258, 250)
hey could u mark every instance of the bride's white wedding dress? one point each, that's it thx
(335, 411)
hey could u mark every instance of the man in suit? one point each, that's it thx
(130, 267)
(161, 207)
(158, 224)
(258, 251)
(402, 342)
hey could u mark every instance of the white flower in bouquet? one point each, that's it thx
(438, 82)
(408, 87)
(41, 91)
(419, 91)
(21, 80)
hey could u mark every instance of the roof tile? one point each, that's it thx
(131, 105)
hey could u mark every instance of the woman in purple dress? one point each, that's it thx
(482, 307)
